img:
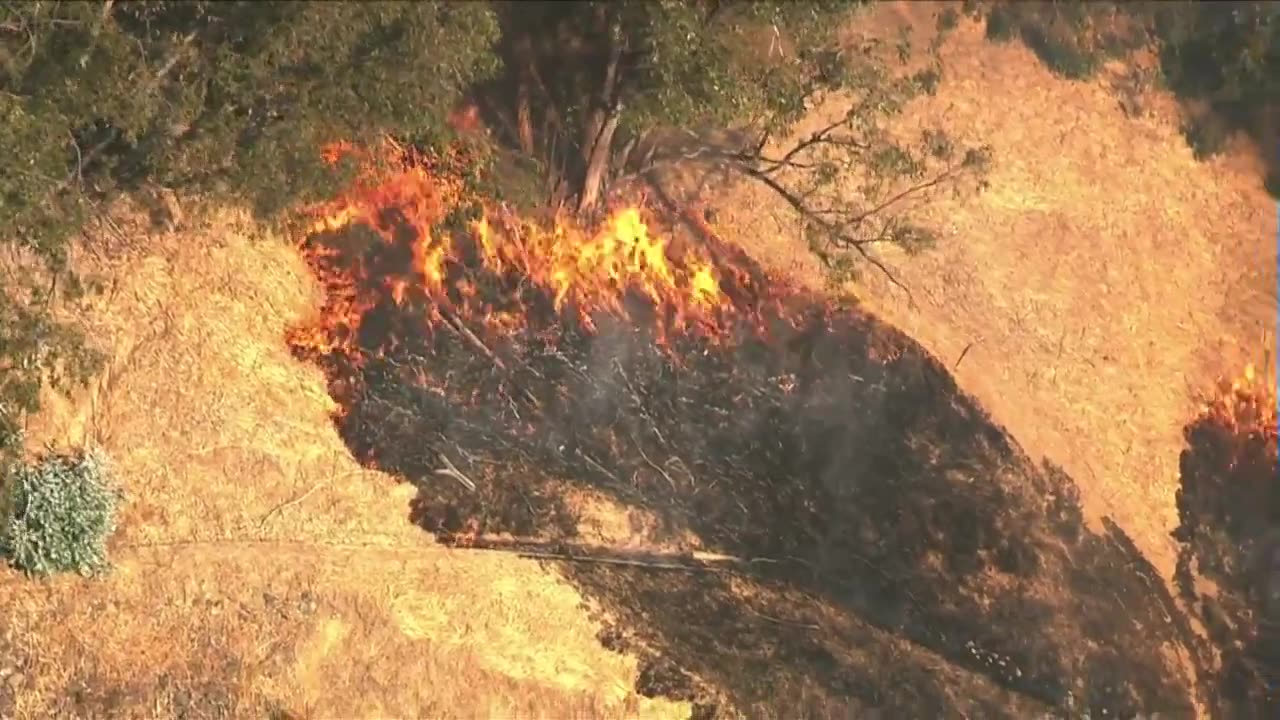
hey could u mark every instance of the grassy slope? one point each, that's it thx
(306, 589)
(334, 605)
(1104, 278)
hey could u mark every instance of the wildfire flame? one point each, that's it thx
(1246, 405)
(497, 272)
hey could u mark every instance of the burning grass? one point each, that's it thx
(896, 549)
(259, 571)
(453, 261)
(1229, 506)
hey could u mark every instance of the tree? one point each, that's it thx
(601, 91)
(1224, 55)
(229, 100)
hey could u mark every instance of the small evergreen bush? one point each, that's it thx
(56, 514)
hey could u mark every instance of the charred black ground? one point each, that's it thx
(917, 560)
(1229, 507)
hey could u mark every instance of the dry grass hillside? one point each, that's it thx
(1104, 279)
(260, 572)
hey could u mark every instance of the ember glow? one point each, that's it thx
(1246, 405)
(499, 273)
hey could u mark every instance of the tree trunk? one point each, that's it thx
(597, 165)
(599, 129)
(524, 111)
(524, 118)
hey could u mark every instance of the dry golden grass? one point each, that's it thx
(260, 569)
(1104, 278)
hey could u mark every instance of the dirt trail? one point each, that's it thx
(312, 593)
(1104, 278)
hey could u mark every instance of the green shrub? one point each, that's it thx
(56, 514)
(948, 19)
(1001, 25)
(1060, 51)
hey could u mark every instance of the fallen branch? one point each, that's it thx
(455, 323)
(451, 471)
(603, 555)
(655, 465)
(305, 495)
(963, 353)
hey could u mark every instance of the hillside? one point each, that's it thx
(259, 569)
(1104, 281)
(956, 504)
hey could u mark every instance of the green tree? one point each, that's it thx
(1226, 55)
(601, 91)
(227, 100)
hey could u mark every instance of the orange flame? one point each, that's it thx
(1246, 405)
(621, 269)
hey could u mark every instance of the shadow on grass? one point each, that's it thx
(913, 559)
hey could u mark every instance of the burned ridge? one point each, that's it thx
(1229, 530)
(900, 551)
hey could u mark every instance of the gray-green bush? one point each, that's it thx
(57, 512)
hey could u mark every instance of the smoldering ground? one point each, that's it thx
(905, 554)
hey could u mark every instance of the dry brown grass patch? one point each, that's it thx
(1104, 277)
(260, 569)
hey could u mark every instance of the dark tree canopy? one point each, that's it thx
(225, 97)
(597, 92)
(229, 100)
(1224, 57)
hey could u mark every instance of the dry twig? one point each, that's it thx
(305, 495)
(459, 327)
(604, 555)
(451, 471)
(963, 353)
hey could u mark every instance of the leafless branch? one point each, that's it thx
(603, 555)
(963, 353)
(823, 136)
(465, 332)
(300, 498)
(451, 471)
(655, 466)
(832, 230)
(949, 173)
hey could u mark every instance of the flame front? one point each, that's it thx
(1246, 405)
(499, 273)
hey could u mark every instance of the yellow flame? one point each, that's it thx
(591, 271)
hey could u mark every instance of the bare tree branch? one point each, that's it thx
(831, 230)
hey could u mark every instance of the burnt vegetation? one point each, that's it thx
(885, 544)
(1229, 530)
(894, 548)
